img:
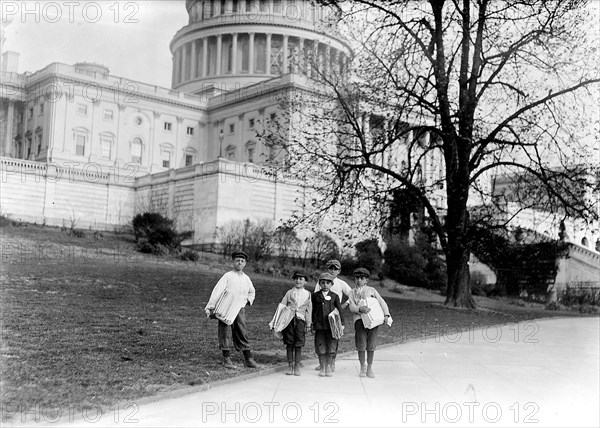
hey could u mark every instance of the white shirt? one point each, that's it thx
(235, 282)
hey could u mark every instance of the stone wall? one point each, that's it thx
(206, 197)
(43, 193)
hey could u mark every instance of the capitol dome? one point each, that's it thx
(234, 43)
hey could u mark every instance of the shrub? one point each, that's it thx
(255, 238)
(580, 296)
(416, 265)
(286, 242)
(189, 255)
(478, 284)
(319, 248)
(368, 255)
(155, 233)
(518, 267)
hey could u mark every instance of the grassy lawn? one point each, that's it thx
(92, 322)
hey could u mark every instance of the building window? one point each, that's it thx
(168, 126)
(80, 145)
(28, 148)
(230, 151)
(232, 128)
(190, 130)
(30, 113)
(38, 142)
(251, 123)
(21, 115)
(189, 160)
(19, 148)
(166, 158)
(136, 150)
(108, 115)
(82, 109)
(250, 151)
(42, 108)
(106, 148)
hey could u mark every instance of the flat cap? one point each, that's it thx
(237, 254)
(326, 277)
(335, 263)
(361, 272)
(298, 274)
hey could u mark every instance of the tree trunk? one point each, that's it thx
(459, 283)
(458, 291)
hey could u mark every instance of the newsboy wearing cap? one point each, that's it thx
(339, 287)
(324, 301)
(237, 254)
(299, 300)
(365, 339)
(299, 274)
(237, 284)
(361, 272)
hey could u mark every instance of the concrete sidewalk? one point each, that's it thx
(537, 373)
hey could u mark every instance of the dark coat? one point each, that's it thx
(322, 308)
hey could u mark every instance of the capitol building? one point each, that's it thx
(81, 146)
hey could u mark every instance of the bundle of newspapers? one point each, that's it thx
(335, 322)
(228, 306)
(282, 318)
(375, 316)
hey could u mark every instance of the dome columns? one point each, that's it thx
(238, 43)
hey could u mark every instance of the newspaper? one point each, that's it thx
(282, 318)
(335, 322)
(375, 316)
(228, 306)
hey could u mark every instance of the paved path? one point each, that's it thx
(539, 373)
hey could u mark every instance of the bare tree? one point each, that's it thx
(446, 97)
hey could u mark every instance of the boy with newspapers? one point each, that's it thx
(292, 318)
(370, 311)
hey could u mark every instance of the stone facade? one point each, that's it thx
(83, 146)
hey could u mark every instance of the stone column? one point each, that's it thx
(183, 63)
(335, 64)
(174, 70)
(250, 53)
(9, 128)
(194, 60)
(301, 62)
(268, 54)
(219, 54)
(176, 66)
(234, 47)
(315, 66)
(285, 54)
(152, 142)
(205, 57)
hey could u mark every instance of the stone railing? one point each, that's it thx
(129, 89)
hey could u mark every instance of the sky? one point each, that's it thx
(131, 38)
